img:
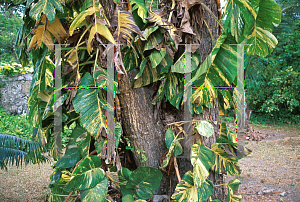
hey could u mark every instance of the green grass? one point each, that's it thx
(18, 125)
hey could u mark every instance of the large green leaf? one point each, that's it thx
(144, 180)
(179, 66)
(88, 105)
(201, 159)
(153, 39)
(232, 186)
(69, 159)
(46, 7)
(98, 193)
(205, 128)
(223, 162)
(140, 6)
(186, 191)
(269, 15)
(239, 17)
(87, 175)
(124, 175)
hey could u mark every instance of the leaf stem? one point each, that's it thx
(176, 169)
(219, 185)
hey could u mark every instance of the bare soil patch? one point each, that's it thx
(272, 168)
(26, 184)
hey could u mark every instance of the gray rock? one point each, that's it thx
(159, 198)
(20, 78)
(265, 190)
(283, 193)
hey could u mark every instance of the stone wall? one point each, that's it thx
(14, 93)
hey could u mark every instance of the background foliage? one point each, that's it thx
(273, 83)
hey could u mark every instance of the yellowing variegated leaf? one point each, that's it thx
(125, 25)
(73, 58)
(96, 9)
(41, 35)
(55, 28)
(102, 30)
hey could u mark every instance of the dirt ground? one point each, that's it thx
(272, 169)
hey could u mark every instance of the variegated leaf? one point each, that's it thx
(149, 75)
(223, 162)
(87, 175)
(186, 191)
(218, 70)
(201, 159)
(232, 187)
(88, 105)
(180, 65)
(140, 6)
(205, 128)
(172, 88)
(46, 7)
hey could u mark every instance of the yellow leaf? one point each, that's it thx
(100, 29)
(55, 28)
(41, 35)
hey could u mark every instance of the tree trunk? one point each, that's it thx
(142, 123)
